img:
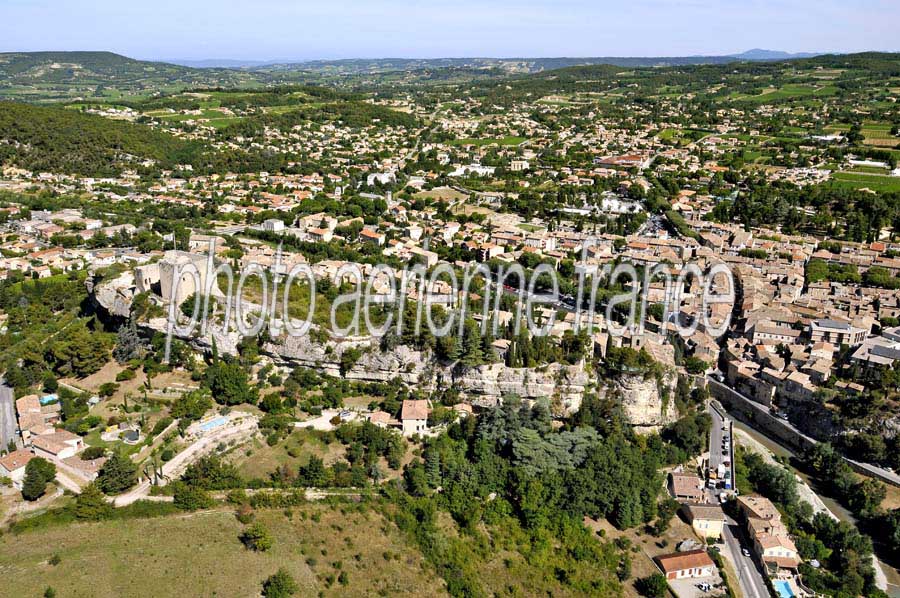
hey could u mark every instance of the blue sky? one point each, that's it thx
(301, 29)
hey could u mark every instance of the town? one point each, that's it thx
(598, 330)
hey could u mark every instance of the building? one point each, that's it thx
(771, 541)
(414, 417)
(12, 466)
(683, 565)
(61, 444)
(708, 521)
(687, 487)
(179, 273)
(836, 333)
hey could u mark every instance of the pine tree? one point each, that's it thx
(117, 474)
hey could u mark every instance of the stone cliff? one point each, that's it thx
(644, 400)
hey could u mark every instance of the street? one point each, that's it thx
(750, 577)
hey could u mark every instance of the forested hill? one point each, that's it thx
(71, 75)
(62, 140)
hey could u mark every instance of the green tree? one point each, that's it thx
(117, 474)
(229, 385)
(652, 586)
(191, 498)
(257, 538)
(38, 473)
(91, 504)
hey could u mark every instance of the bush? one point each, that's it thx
(257, 538)
(280, 585)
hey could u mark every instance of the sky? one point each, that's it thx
(283, 30)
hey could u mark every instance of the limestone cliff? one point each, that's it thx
(645, 401)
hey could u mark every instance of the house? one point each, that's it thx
(708, 521)
(686, 487)
(382, 419)
(683, 565)
(776, 551)
(12, 466)
(61, 444)
(771, 540)
(371, 236)
(414, 417)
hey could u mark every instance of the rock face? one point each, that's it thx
(644, 400)
(115, 296)
(486, 385)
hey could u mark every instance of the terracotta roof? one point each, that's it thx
(414, 410)
(686, 485)
(15, 460)
(680, 561)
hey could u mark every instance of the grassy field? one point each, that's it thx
(787, 92)
(199, 555)
(259, 460)
(884, 184)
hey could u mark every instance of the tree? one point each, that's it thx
(38, 473)
(257, 538)
(117, 474)
(280, 585)
(652, 586)
(91, 504)
(228, 383)
(210, 473)
(129, 344)
(191, 405)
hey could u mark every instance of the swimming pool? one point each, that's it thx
(213, 423)
(783, 588)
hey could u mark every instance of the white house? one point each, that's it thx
(414, 417)
(12, 466)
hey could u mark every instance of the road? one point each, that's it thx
(176, 466)
(7, 416)
(750, 576)
(717, 454)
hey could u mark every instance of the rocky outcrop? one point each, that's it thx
(645, 401)
(563, 385)
(114, 296)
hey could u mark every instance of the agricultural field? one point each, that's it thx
(881, 184)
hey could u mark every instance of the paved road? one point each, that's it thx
(750, 577)
(7, 416)
(717, 454)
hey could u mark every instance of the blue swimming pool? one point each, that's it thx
(213, 423)
(783, 588)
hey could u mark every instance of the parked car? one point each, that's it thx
(745, 551)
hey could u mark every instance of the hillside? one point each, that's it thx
(102, 75)
(49, 138)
